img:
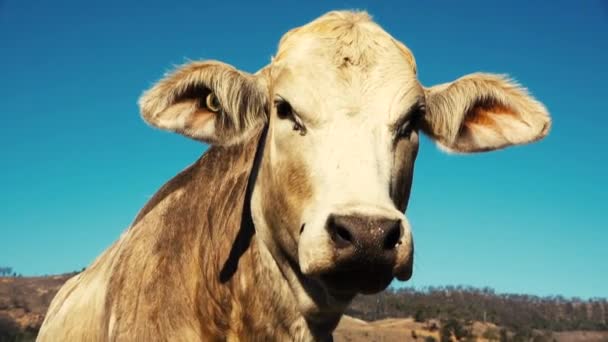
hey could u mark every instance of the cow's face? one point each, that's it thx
(341, 145)
(344, 109)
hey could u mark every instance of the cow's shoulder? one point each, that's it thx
(173, 254)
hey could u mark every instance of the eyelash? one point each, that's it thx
(406, 129)
(285, 111)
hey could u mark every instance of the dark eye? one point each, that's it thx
(405, 129)
(284, 111)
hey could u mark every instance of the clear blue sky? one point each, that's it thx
(77, 162)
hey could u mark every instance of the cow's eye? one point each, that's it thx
(284, 111)
(405, 129)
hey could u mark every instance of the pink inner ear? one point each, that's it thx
(187, 117)
(487, 114)
(487, 126)
(199, 119)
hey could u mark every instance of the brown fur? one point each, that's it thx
(217, 180)
(168, 280)
(285, 191)
(402, 170)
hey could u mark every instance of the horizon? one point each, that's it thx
(425, 289)
(79, 163)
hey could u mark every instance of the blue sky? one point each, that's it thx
(77, 162)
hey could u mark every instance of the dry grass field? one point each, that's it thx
(23, 304)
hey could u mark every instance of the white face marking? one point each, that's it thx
(349, 109)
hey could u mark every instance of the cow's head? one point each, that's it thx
(344, 110)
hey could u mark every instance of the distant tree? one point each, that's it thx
(453, 327)
(465, 304)
(432, 327)
(597, 314)
(522, 334)
(504, 335)
(445, 334)
(520, 337)
(543, 337)
(420, 315)
(6, 271)
(9, 330)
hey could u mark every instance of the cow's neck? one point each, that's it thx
(254, 292)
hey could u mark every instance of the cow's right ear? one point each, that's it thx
(207, 101)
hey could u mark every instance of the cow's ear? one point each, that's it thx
(483, 112)
(208, 101)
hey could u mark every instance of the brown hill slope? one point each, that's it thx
(24, 301)
(407, 330)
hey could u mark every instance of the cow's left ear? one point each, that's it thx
(483, 112)
(208, 101)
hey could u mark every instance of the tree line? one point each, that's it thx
(467, 304)
(7, 272)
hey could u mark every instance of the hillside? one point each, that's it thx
(405, 315)
(23, 304)
(408, 330)
(513, 311)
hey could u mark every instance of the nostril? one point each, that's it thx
(343, 234)
(340, 234)
(393, 236)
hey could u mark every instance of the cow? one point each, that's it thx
(299, 203)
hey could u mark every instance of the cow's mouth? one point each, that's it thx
(365, 279)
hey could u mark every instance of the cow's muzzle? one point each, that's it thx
(367, 253)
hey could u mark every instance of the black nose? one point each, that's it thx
(365, 252)
(370, 235)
